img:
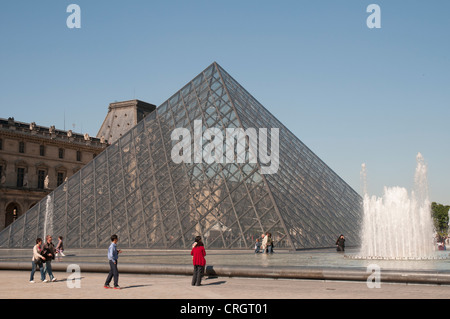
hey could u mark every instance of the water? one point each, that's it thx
(399, 224)
(48, 221)
(320, 258)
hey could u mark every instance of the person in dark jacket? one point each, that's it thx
(340, 242)
(48, 251)
(198, 259)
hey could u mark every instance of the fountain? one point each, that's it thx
(48, 221)
(398, 225)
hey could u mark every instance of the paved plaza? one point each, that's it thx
(15, 285)
(218, 297)
(172, 290)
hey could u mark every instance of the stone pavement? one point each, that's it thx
(159, 282)
(15, 285)
(172, 296)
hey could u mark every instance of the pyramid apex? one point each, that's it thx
(216, 64)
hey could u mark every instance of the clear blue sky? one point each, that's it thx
(352, 94)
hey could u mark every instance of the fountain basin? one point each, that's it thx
(435, 257)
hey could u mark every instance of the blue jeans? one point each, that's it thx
(48, 269)
(33, 269)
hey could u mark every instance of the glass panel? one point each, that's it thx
(31, 225)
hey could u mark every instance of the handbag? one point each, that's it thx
(38, 261)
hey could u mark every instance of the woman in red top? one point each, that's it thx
(198, 259)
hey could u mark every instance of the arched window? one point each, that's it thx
(12, 213)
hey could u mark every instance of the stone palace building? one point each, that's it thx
(34, 159)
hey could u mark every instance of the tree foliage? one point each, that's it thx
(441, 218)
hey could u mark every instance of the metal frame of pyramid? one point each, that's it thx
(135, 190)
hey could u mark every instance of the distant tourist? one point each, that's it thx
(267, 243)
(198, 259)
(49, 253)
(37, 260)
(113, 256)
(257, 246)
(264, 242)
(340, 242)
(60, 247)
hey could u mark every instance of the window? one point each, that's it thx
(41, 179)
(1, 144)
(42, 150)
(20, 175)
(61, 153)
(78, 156)
(21, 147)
(60, 178)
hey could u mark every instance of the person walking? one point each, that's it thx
(60, 247)
(340, 243)
(264, 242)
(49, 253)
(113, 256)
(36, 261)
(257, 246)
(269, 243)
(198, 259)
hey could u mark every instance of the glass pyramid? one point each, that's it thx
(136, 190)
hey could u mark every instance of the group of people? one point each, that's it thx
(43, 254)
(265, 245)
(198, 253)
